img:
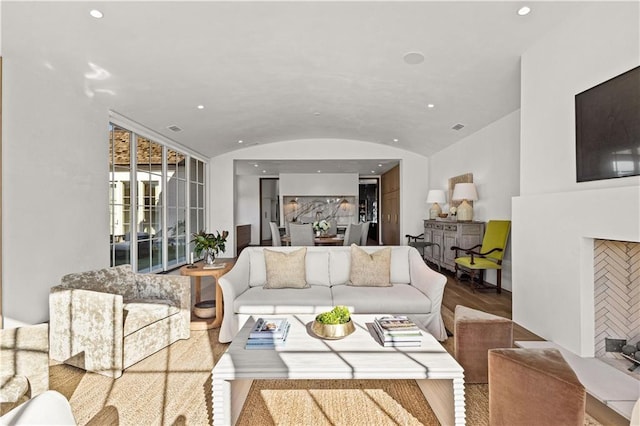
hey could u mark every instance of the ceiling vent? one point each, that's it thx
(174, 128)
(458, 126)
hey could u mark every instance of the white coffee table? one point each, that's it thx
(358, 356)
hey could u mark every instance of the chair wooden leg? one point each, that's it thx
(472, 273)
(455, 273)
(499, 281)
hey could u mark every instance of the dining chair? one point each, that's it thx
(301, 234)
(333, 227)
(275, 235)
(364, 238)
(353, 234)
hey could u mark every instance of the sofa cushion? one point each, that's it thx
(397, 299)
(258, 300)
(140, 313)
(316, 266)
(116, 280)
(285, 270)
(370, 269)
(339, 265)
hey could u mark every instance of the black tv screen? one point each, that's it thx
(608, 129)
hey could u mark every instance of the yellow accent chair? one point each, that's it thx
(490, 255)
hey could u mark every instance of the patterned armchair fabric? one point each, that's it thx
(107, 320)
(24, 364)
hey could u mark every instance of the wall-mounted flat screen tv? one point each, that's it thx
(608, 129)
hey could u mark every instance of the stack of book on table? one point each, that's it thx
(268, 333)
(397, 331)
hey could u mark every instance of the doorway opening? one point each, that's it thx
(368, 207)
(269, 207)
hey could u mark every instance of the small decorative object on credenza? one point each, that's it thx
(435, 196)
(209, 243)
(334, 324)
(465, 192)
(453, 212)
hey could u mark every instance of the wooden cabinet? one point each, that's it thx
(390, 219)
(448, 234)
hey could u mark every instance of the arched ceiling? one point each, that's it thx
(272, 71)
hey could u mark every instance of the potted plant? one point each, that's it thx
(209, 243)
(334, 324)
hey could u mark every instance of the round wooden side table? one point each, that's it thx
(197, 271)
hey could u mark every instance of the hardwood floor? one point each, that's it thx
(459, 292)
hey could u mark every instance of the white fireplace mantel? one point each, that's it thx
(552, 250)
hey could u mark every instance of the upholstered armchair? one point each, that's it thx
(24, 364)
(107, 320)
(490, 255)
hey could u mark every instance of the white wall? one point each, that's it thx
(555, 218)
(223, 196)
(248, 208)
(319, 184)
(492, 154)
(55, 147)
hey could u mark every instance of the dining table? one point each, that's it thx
(328, 240)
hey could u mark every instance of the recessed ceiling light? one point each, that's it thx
(379, 165)
(96, 13)
(319, 171)
(414, 58)
(316, 113)
(200, 106)
(372, 171)
(395, 140)
(240, 141)
(430, 105)
(255, 165)
(264, 171)
(524, 10)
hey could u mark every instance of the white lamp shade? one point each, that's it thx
(436, 196)
(465, 191)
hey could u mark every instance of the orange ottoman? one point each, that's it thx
(475, 332)
(533, 386)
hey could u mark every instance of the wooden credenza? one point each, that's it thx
(448, 234)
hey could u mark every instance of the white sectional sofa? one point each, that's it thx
(416, 289)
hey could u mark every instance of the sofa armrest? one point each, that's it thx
(86, 329)
(426, 279)
(432, 284)
(233, 284)
(24, 352)
(176, 288)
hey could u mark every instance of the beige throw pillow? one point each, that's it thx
(285, 270)
(370, 270)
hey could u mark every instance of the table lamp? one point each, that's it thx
(465, 192)
(435, 196)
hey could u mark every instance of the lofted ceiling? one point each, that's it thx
(272, 71)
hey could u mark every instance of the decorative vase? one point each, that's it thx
(209, 257)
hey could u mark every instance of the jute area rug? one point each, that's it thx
(173, 387)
